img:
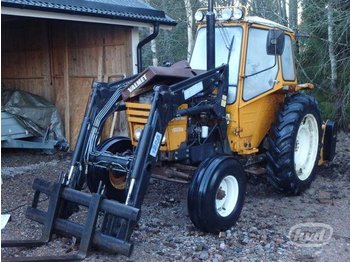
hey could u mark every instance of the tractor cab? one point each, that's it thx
(261, 70)
(249, 46)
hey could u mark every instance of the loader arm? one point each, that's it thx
(165, 104)
(164, 108)
(104, 100)
(118, 219)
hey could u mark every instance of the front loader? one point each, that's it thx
(209, 122)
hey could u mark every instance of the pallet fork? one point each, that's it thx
(118, 219)
(97, 205)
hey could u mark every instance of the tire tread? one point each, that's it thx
(280, 163)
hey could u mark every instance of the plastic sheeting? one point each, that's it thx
(34, 112)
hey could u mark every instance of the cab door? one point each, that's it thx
(259, 101)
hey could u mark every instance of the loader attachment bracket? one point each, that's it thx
(90, 233)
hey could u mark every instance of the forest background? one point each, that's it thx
(322, 49)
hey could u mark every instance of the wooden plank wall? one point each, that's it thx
(25, 60)
(59, 60)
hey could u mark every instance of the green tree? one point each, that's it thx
(325, 55)
(274, 10)
(171, 44)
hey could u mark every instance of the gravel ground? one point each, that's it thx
(165, 232)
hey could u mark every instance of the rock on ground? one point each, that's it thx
(165, 232)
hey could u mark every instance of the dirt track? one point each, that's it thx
(165, 232)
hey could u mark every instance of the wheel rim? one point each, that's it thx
(226, 196)
(306, 147)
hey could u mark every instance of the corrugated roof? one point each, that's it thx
(132, 10)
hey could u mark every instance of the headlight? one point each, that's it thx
(222, 13)
(237, 13)
(226, 14)
(199, 16)
(137, 133)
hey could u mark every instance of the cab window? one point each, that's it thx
(288, 70)
(227, 50)
(261, 69)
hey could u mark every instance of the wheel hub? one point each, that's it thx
(220, 194)
(227, 196)
(117, 181)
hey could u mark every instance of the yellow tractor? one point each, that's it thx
(267, 119)
(205, 122)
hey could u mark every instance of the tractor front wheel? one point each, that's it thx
(294, 145)
(216, 194)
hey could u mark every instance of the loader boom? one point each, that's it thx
(166, 101)
(119, 219)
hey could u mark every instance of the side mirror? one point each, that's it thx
(275, 42)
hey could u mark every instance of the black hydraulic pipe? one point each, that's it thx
(142, 43)
(109, 158)
(194, 110)
(141, 171)
(80, 144)
(210, 36)
(84, 126)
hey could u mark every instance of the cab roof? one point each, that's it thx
(256, 20)
(266, 22)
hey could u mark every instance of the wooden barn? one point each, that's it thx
(56, 48)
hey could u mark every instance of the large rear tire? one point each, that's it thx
(294, 145)
(114, 182)
(216, 194)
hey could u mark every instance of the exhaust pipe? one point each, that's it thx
(210, 36)
(148, 39)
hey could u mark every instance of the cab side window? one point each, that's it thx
(288, 70)
(258, 80)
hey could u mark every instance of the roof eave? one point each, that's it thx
(85, 17)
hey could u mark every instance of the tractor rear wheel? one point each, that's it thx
(114, 181)
(216, 194)
(294, 145)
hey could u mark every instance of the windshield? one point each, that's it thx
(225, 38)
